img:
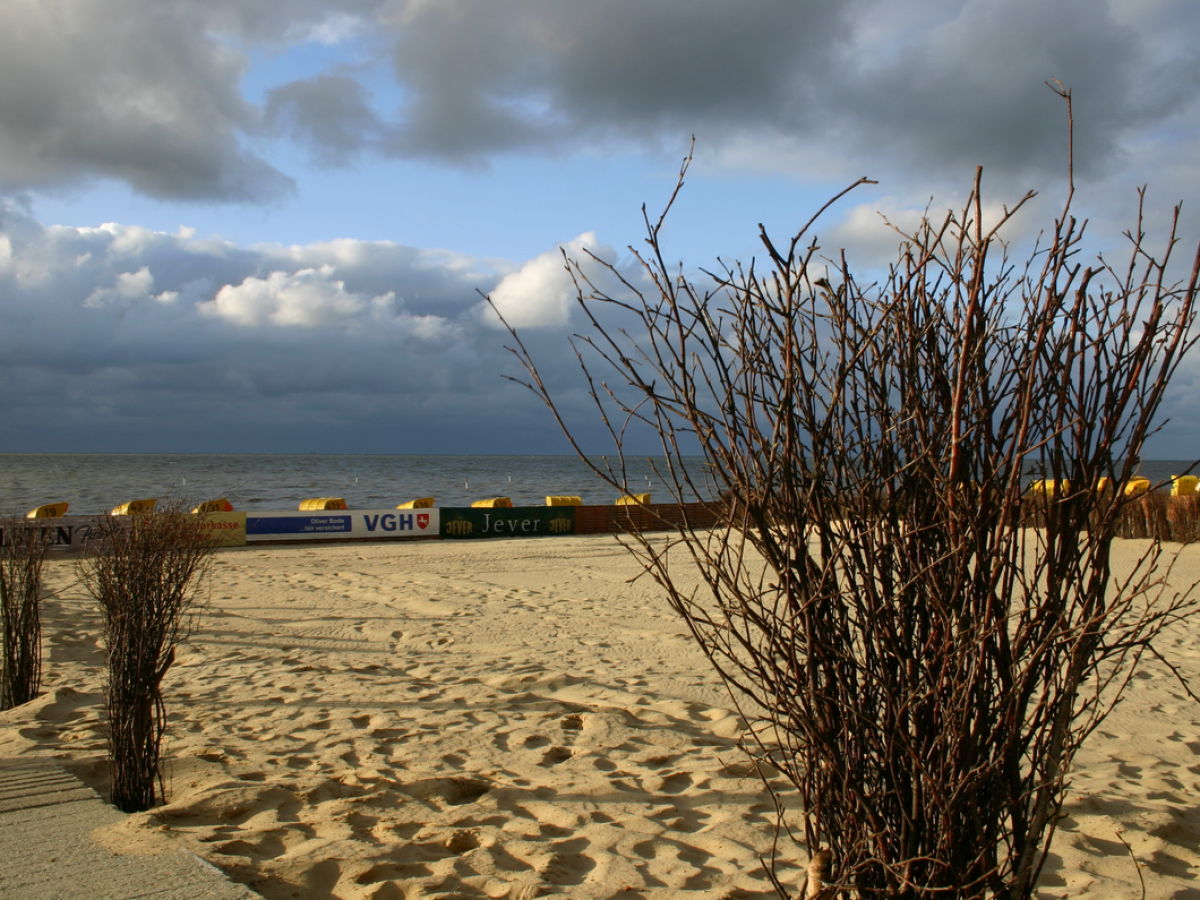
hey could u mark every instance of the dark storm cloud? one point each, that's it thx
(538, 72)
(132, 330)
(972, 91)
(149, 93)
(271, 21)
(137, 339)
(330, 112)
(126, 90)
(923, 87)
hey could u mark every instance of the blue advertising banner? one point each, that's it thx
(347, 524)
(289, 526)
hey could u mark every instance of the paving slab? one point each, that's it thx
(47, 816)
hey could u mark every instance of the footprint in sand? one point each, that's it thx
(362, 825)
(387, 873)
(568, 865)
(451, 791)
(462, 841)
(555, 755)
(267, 846)
(323, 877)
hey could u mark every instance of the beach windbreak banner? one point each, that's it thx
(226, 529)
(62, 533)
(362, 524)
(517, 521)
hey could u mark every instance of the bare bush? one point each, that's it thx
(23, 547)
(144, 571)
(919, 667)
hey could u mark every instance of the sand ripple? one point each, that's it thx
(510, 719)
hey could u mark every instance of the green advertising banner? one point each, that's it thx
(518, 521)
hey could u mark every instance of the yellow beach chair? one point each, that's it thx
(633, 500)
(1049, 488)
(1137, 486)
(1184, 485)
(135, 508)
(48, 511)
(419, 503)
(322, 503)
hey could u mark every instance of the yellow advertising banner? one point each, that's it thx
(228, 529)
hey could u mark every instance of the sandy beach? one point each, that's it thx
(517, 719)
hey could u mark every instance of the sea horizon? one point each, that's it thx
(96, 481)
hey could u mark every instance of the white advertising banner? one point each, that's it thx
(341, 524)
(226, 529)
(64, 532)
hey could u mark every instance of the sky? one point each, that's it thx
(254, 226)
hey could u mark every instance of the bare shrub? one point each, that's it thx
(23, 548)
(919, 667)
(144, 571)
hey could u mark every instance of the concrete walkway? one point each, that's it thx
(46, 850)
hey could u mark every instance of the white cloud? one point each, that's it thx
(308, 298)
(166, 333)
(334, 29)
(864, 232)
(542, 293)
(872, 232)
(431, 328)
(127, 288)
(316, 299)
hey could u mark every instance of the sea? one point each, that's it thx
(94, 483)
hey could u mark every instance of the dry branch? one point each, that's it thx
(23, 548)
(144, 572)
(919, 665)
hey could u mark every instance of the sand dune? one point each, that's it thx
(513, 719)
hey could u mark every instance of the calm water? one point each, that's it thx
(96, 482)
